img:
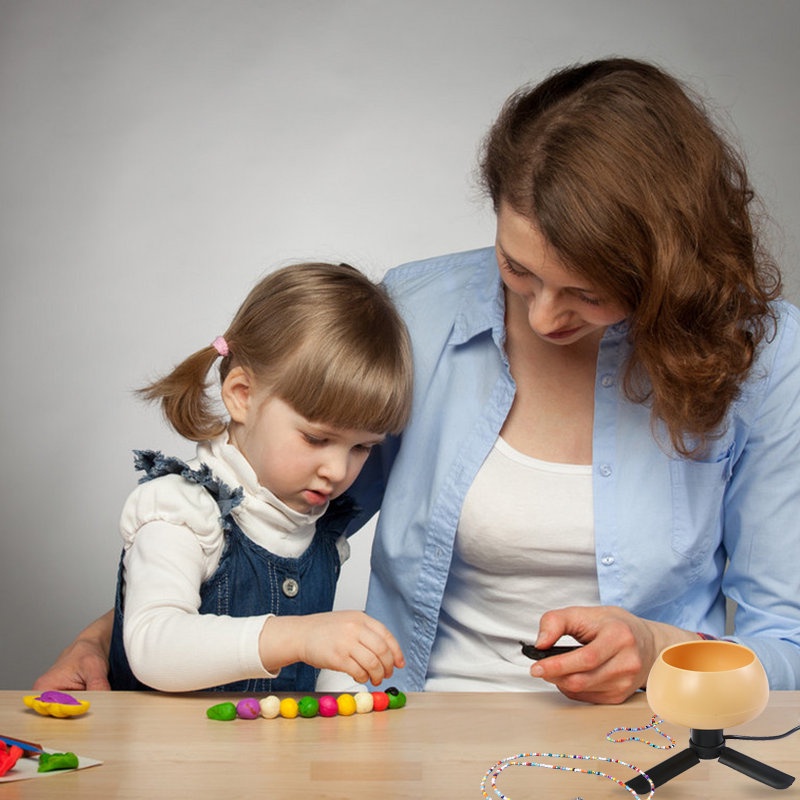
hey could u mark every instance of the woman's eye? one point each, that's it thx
(592, 301)
(511, 269)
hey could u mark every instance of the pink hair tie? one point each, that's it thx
(221, 346)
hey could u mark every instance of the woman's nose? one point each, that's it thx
(544, 309)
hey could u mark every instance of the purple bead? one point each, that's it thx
(249, 708)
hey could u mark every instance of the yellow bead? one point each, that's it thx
(289, 707)
(346, 704)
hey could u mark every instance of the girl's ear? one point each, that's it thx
(238, 392)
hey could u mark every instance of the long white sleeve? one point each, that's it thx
(170, 646)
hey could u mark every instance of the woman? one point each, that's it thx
(605, 437)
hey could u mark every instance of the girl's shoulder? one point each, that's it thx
(173, 500)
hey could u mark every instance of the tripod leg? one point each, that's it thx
(755, 769)
(664, 771)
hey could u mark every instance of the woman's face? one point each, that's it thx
(562, 307)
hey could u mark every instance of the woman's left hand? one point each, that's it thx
(619, 651)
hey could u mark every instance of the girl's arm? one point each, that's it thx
(169, 644)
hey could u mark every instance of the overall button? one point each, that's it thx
(606, 470)
(607, 560)
(290, 587)
(607, 380)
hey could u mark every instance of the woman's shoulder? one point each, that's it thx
(447, 271)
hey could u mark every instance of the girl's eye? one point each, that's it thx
(316, 441)
(592, 301)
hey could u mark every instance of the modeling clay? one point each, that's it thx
(49, 762)
(396, 698)
(223, 711)
(326, 705)
(56, 704)
(308, 706)
(8, 757)
(248, 708)
(380, 701)
(289, 707)
(270, 706)
(363, 702)
(346, 704)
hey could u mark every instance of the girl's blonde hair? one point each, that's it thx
(622, 170)
(322, 337)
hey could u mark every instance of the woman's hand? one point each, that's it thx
(619, 651)
(346, 641)
(83, 665)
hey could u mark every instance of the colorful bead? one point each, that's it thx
(380, 701)
(308, 706)
(270, 706)
(346, 704)
(396, 698)
(222, 711)
(289, 707)
(363, 702)
(328, 707)
(249, 708)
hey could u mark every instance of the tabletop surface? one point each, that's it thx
(439, 745)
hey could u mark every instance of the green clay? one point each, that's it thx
(48, 762)
(308, 707)
(396, 698)
(222, 711)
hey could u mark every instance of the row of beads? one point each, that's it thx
(325, 706)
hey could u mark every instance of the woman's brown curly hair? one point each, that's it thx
(622, 170)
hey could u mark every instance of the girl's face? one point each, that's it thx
(561, 307)
(305, 464)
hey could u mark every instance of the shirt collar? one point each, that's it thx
(482, 306)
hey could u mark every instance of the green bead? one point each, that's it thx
(48, 762)
(222, 711)
(308, 706)
(396, 698)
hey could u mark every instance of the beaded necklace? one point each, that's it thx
(521, 760)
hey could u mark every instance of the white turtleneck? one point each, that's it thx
(173, 542)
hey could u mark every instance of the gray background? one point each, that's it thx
(157, 157)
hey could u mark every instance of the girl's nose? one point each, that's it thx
(333, 467)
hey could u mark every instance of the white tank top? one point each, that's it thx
(524, 544)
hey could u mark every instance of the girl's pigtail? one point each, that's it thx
(183, 397)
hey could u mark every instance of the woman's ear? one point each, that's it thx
(238, 391)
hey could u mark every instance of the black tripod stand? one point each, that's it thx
(706, 745)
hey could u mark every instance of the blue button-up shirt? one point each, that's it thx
(673, 536)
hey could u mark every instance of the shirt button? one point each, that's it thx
(290, 587)
(605, 470)
(607, 380)
(607, 561)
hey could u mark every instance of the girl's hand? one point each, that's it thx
(619, 651)
(347, 641)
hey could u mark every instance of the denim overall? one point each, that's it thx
(249, 580)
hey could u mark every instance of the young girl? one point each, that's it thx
(230, 561)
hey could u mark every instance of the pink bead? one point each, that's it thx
(328, 707)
